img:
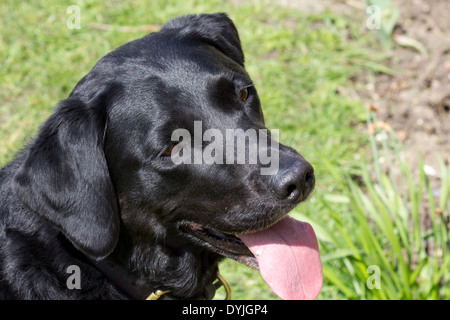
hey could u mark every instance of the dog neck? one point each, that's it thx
(179, 270)
(130, 284)
(123, 278)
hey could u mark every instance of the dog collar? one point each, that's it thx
(127, 282)
(209, 291)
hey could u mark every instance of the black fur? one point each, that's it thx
(94, 183)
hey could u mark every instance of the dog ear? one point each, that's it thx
(64, 178)
(216, 29)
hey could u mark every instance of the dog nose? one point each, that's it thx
(294, 182)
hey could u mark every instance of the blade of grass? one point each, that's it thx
(333, 277)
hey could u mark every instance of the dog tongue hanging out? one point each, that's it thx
(288, 258)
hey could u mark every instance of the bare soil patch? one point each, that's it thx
(415, 100)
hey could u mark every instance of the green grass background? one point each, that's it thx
(300, 65)
(297, 62)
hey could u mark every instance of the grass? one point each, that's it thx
(302, 66)
(385, 229)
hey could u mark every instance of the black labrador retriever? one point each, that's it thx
(95, 207)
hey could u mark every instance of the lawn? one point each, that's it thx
(303, 67)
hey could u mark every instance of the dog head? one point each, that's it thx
(108, 152)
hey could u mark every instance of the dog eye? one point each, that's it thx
(169, 150)
(243, 95)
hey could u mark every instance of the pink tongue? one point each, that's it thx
(288, 258)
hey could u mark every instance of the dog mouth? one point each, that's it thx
(286, 254)
(225, 244)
